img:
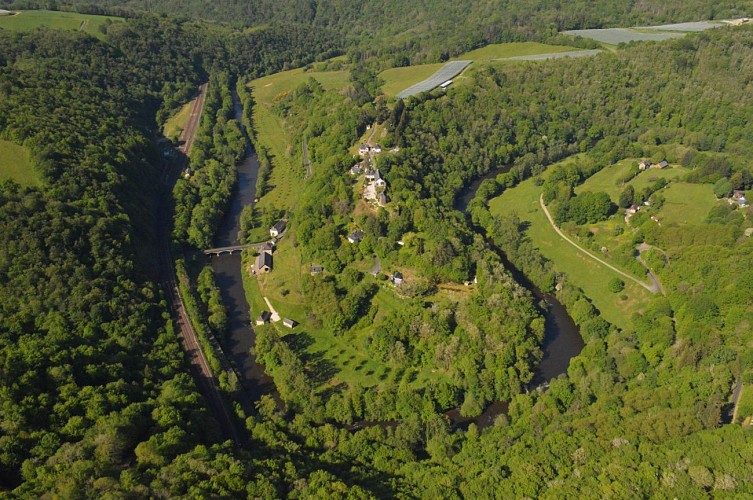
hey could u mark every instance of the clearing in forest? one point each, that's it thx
(176, 123)
(15, 163)
(28, 20)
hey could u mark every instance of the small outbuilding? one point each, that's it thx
(263, 318)
(397, 278)
(316, 270)
(278, 228)
(289, 323)
(356, 236)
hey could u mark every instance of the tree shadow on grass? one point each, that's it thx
(299, 342)
(319, 368)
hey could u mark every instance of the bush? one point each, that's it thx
(616, 285)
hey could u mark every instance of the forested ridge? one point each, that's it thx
(400, 33)
(97, 400)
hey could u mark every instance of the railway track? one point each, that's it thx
(199, 365)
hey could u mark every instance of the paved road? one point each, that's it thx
(651, 288)
(198, 361)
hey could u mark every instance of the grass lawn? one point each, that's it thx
(288, 173)
(583, 271)
(176, 123)
(687, 203)
(15, 163)
(30, 19)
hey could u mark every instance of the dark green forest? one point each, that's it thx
(96, 398)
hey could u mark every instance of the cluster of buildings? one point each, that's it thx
(646, 165)
(264, 262)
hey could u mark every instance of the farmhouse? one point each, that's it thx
(263, 318)
(263, 262)
(278, 228)
(379, 182)
(371, 175)
(644, 165)
(356, 169)
(356, 236)
(376, 149)
(363, 149)
(661, 164)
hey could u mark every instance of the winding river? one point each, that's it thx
(562, 339)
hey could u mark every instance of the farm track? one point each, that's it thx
(653, 288)
(198, 362)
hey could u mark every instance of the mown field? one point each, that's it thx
(583, 271)
(31, 19)
(607, 179)
(15, 163)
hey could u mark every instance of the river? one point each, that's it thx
(562, 339)
(227, 269)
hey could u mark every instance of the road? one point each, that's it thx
(199, 366)
(651, 288)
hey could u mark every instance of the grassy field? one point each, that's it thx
(15, 163)
(30, 19)
(687, 203)
(176, 123)
(515, 49)
(399, 79)
(604, 180)
(583, 271)
(288, 172)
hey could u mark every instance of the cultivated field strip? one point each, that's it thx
(446, 72)
(615, 36)
(554, 55)
(688, 27)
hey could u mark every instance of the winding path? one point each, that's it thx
(654, 288)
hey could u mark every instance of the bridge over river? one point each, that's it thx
(234, 248)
